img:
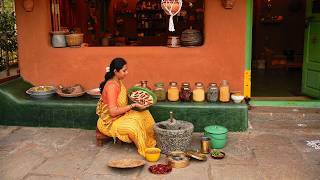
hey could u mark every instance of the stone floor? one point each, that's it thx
(268, 150)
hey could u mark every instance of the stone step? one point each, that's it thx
(277, 120)
(280, 114)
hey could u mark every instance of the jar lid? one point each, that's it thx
(215, 129)
(198, 84)
(159, 84)
(205, 138)
(213, 84)
(173, 83)
(185, 84)
(224, 82)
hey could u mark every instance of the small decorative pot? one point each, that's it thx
(58, 39)
(228, 4)
(28, 5)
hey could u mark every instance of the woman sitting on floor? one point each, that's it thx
(116, 117)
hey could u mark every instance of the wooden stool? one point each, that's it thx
(101, 138)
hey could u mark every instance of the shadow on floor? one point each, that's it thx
(276, 83)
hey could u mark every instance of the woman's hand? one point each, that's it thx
(137, 105)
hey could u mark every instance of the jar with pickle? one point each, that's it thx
(212, 93)
(185, 92)
(224, 91)
(160, 91)
(198, 93)
(173, 92)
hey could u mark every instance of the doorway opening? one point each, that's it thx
(8, 41)
(277, 49)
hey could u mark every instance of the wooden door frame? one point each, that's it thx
(247, 71)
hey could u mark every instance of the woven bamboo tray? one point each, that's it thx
(126, 163)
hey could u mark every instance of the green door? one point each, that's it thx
(311, 62)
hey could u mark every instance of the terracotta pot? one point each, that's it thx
(28, 5)
(228, 4)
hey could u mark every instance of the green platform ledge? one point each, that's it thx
(18, 109)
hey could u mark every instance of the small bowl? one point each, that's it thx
(219, 157)
(152, 154)
(237, 98)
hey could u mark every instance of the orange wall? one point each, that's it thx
(221, 56)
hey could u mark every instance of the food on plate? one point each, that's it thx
(71, 90)
(41, 89)
(141, 97)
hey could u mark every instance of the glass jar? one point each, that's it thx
(212, 93)
(224, 91)
(198, 93)
(144, 84)
(173, 92)
(185, 92)
(160, 91)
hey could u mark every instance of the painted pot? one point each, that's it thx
(28, 5)
(58, 39)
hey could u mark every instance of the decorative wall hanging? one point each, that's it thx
(28, 5)
(172, 8)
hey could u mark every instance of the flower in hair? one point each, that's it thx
(107, 69)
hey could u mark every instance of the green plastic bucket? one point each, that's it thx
(218, 136)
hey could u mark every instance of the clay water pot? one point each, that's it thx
(28, 5)
(58, 39)
(228, 4)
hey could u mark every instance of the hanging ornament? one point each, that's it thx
(171, 8)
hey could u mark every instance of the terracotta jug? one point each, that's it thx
(28, 5)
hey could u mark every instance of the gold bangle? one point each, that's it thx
(130, 106)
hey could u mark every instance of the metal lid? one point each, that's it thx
(215, 129)
(159, 84)
(173, 83)
(196, 155)
(205, 138)
(224, 83)
(199, 84)
(212, 84)
(185, 84)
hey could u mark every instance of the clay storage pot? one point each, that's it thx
(173, 41)
(173, 135)
(228, 4)
(28, 5)
(191, 37)
(58, 39)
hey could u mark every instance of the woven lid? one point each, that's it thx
(215, 129)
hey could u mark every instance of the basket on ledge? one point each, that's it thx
(74, 40)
